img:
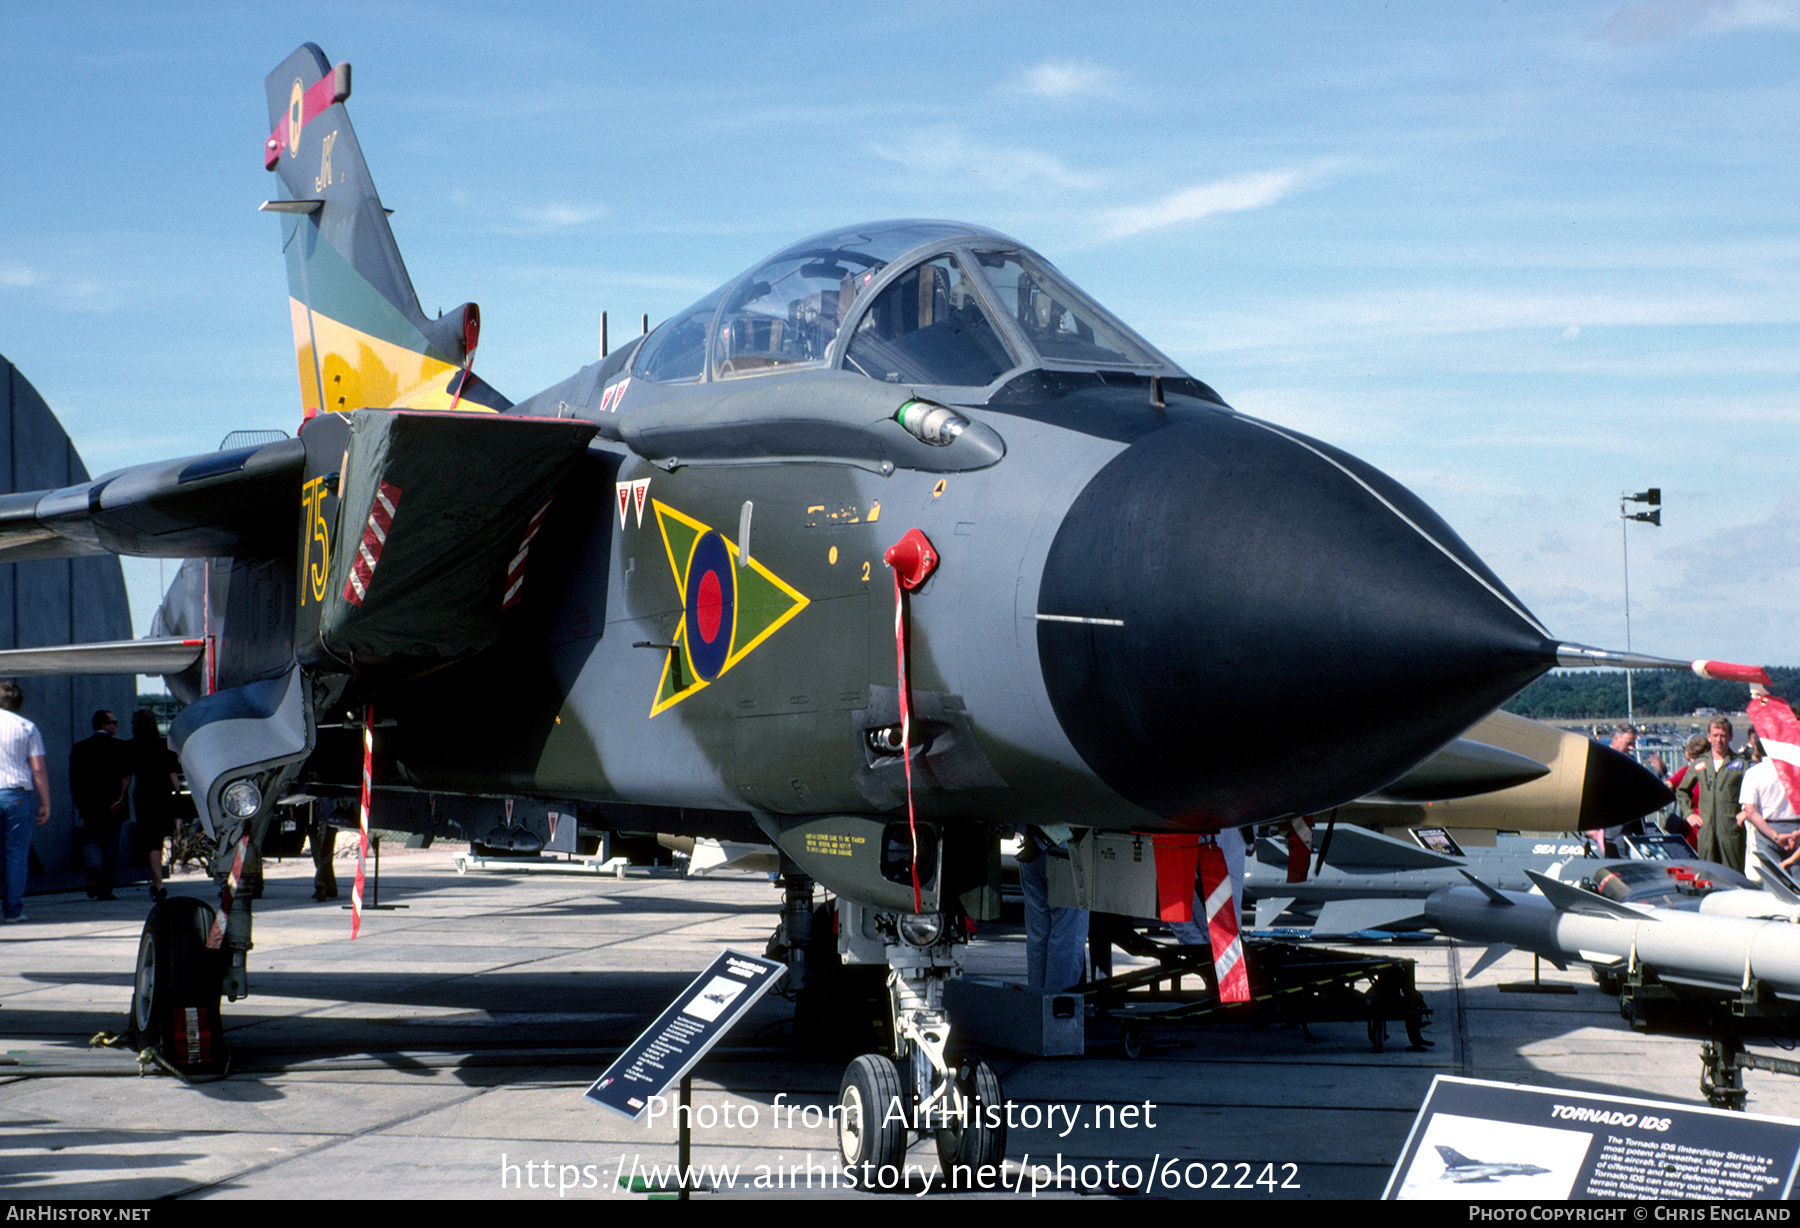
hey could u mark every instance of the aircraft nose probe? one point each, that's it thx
(1607, 658)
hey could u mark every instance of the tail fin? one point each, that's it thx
(359, 335)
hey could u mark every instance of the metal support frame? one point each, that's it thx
(1721, 1023)
(1290, 984)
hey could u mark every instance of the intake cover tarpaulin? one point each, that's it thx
(434, 510)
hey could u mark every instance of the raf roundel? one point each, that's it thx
(296, 117)
(710, 614)
(727, 607)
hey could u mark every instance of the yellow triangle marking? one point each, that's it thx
(664, 698)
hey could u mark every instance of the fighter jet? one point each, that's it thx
(1461, 1169)
(894, 540)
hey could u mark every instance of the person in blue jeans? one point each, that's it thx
(1055, 937)
(22, 773)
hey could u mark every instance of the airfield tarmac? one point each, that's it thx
(444, 1053)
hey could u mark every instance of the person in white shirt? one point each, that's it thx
(1764, 807)
(22, 773)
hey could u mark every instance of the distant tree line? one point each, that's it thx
(1589, 694)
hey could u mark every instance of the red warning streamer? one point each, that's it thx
(1222, 925)
(1299, 848)
(1725, 671)
(1175, 860)
(362, 816)
(913, 560)
(1780, 733)
(215, 937)
(471, 339)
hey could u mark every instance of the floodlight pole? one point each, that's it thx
(1653, 496)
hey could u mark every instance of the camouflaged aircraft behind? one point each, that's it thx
(674, 584)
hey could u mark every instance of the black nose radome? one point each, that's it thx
(1237, 623)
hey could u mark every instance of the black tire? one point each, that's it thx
(868, 1132)
(978, 1140)
(174, 967)
(1131, 1040)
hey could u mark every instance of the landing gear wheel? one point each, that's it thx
(1131, 1040)
(870, 1129)
(976, 1137)
(175, 995)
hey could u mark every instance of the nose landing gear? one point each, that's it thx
(886, 1100)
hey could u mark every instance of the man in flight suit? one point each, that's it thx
(1721, 773)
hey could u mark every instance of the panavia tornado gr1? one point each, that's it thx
(890, 543)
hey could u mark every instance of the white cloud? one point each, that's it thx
(1203, 200)
(70, 292)
(1755, 15)
(558, 215)
(1765, 548)
(1067, 79)
(1427, 312)
(947, 153)
(1651, 21)
(18, 275)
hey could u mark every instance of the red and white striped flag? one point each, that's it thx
(362, 852)
(1299, 848)
(1780, 734)
(215, 937)
(1222, 924)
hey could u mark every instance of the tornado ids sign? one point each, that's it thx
(1475, 1140)
(696, 1021)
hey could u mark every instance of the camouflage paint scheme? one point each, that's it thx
(665, 588)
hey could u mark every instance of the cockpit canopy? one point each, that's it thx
(911, 302)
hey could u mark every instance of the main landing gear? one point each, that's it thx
(885, 1100)
(240, 747)
(175, 992)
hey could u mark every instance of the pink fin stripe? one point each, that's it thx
(319, 97)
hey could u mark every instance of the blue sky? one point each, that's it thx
(1523, 256)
